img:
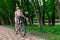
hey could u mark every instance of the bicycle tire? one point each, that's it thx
(22, 30)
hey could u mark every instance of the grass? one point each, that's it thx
(54, 38)
(45, 29)
(53, 31)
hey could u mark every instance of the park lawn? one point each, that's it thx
(49, 32)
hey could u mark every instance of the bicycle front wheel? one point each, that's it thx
(22, 30)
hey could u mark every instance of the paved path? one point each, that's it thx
(8, 34)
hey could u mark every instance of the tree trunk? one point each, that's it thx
(30, 21)
(10, 20)
(53, 14)
(2, 21)
(38, 18)
(58, 7)
(53, 18)
(40, 14)
(43, 18)
(48, 20)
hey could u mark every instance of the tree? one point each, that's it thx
(53, 12)
(58, 7)
(43, 12)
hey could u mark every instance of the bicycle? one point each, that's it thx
(21, 28)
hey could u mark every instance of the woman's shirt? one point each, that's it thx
(17, 13)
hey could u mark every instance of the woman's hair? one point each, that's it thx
(17, 7)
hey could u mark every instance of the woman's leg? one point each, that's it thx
(16, 26)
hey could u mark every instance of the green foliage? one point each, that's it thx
(48, 6)
(7, 8)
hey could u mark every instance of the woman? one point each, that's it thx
(18, 13)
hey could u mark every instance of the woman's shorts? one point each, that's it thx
(16, 19)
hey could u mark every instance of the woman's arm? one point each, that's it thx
(22, 14)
